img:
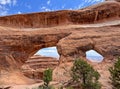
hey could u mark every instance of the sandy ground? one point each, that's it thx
(31, 86)
(23, 86)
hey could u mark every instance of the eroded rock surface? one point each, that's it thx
(36, 65)
(105, 40)
(17, 45)
(99, 12)
(21, 36)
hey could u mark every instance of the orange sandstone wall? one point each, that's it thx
(103, 11)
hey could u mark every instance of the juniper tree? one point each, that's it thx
(115, 74)
(47, 77)
(85, 75)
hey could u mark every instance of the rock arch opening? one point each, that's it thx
(48, 52)
(94, 56)
(40, 61)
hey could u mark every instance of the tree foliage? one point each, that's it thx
(84, 74)
(47, 76)
(115, 74)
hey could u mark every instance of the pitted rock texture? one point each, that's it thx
(21, 36)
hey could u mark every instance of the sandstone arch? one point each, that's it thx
(22, 35)
(80, 41)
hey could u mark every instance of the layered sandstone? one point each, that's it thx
(100, 12)
(21, 36)
(36, 65)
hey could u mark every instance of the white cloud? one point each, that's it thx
(3, 8)
(88, 1)
(70, 8)
(48, 52)
(45, 9)
(4, 2)
(48, 2)
(81, 5)
(92, 1)
(19, 12)
(8, 2)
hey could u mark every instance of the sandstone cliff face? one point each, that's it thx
(91, 14)
(21, 36)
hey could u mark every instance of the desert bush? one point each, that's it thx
(69, 88)
(42, 87)
(47, 77)
(85, 75)
(115, 74)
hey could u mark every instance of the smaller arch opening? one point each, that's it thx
(48, 52)
(94, 56)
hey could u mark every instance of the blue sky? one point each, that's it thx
(49, 52)
(8, 7)
(52, 52)
(94, 56)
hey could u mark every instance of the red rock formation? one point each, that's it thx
(16, 46)
(27, 37)
(35, 66)
(100, 12)
(104, 40)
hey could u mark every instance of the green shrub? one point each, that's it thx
(85, 75)
(46, 87)
(47, 77)
(115, 74)
(69, 88)
(42, 87)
